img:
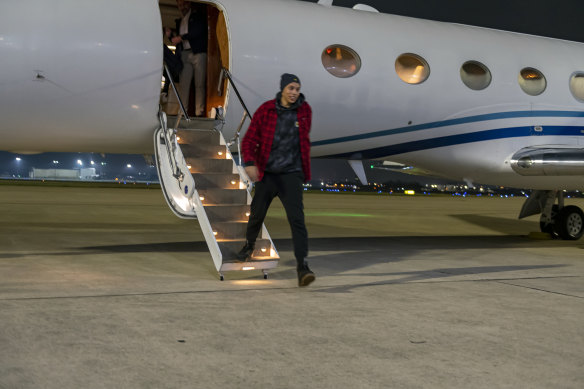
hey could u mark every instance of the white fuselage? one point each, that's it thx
(102, 67)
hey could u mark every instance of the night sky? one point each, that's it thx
(562, 19)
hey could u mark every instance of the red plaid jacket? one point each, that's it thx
(257, 142)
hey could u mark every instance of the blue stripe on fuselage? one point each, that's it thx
(502, 133)
(451, 122)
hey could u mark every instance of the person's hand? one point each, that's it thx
(252, 173)
(176, 40)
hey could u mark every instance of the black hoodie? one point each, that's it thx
(285, 153)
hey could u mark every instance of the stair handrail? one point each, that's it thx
(236, 138)
(182, 106)
(170, 136)
(170, 149)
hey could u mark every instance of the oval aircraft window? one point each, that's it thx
(532, 81)
(577, 86)
(412, 68)
(341, 61)
(475, 75)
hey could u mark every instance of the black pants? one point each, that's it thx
(288, 187)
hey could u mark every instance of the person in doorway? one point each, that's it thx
(276, 155)
(191, 46)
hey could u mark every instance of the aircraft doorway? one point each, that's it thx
(217, 57)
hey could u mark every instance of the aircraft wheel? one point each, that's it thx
(569, 224)
(550, 227)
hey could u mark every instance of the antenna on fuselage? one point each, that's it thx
(326, 3)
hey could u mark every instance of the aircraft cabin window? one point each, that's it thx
(577, 86)
(341, 61)
(412, 68)
(475, 75)
(532, 81)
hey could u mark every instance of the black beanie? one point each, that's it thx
(287, 78)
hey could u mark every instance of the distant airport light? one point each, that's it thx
(410, 192)
(129, 165)
(135, 106)
(79, 162)
(55, 162)
(18, 159)
(93, 163)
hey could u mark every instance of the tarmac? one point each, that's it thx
(106, 288)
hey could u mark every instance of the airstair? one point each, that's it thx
(200, 180)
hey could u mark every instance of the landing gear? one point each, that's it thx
(265, 275)
(569, 223)
(221, 278)
(563, 222)
(547, 223)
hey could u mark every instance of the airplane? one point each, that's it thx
(455, 101)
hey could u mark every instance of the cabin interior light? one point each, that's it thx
(411, 68)
(341, 61)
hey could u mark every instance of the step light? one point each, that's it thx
(247, 214)
(248, 268)
(220, 153)
(215, 233)
(233, 182)
(189, 167)
(202, 198)
(264, 249)
(178, 138)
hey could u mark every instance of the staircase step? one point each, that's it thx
(203, 151)
(194, 123)
(200, 165)
(198, 137)
(216, 180)
(230, 248)
(223, 196)
(229, 229)
(226, 213)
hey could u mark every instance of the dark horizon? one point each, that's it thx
(561, 19)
